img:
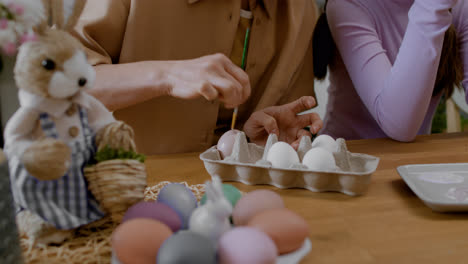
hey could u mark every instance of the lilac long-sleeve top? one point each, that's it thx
(382, 78)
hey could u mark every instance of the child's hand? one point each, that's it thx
(47, 159)
(283, 121)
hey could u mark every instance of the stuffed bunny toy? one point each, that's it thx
(57, 130)
(212, 218)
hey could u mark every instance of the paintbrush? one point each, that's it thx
(244, 56)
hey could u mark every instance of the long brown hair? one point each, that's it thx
(449, 74)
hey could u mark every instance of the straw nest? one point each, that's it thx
(90, 244)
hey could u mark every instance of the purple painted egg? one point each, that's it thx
(156, 211)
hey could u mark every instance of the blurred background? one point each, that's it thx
(451, 115)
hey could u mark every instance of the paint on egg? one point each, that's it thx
(181, 199)
(230, 192)
(246, 245)
(156, 211)
(253, 203)
(139, 240)
(226, 143)
(187, 247)
(286, 228)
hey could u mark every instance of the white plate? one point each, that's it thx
(442, 187)
(291, 258)
(296, 256)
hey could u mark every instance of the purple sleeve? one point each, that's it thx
(460, 13)
(397, 95)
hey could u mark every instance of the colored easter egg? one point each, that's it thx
(287, 229)
(246, 245)
(156, 211)
(226, 143)
(230, 192)
(253, 203)
(137, 241)
(179, 198)
(187, 247)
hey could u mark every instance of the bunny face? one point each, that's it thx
(54, 66)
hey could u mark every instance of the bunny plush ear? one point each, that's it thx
(41, 27)
(210, 192)
(217, 186)
(214, 189)
(65, 13)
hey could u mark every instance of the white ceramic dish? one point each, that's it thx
(291, 258)
(248, 164)
(442, 187)
(296, 256)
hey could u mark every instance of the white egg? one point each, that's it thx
(319, 159)
(326, 142)
(282, 155)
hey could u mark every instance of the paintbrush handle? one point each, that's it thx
(244, 56)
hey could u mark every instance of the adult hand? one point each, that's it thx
(283, 121)
(213, 77)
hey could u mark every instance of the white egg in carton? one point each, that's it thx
(249, 164)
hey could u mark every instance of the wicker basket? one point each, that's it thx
(117, 185)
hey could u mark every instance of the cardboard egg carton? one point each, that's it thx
(248, 164)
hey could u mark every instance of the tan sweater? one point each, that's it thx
(279, 61)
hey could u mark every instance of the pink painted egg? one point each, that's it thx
(226, 143)
(286, 228)
(253, 203)
(137, 241)
(246, 245)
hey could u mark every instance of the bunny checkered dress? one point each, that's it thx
(65, 203)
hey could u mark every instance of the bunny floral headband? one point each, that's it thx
(17, 20)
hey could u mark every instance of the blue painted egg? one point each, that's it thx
(179, 198)
(187, 247)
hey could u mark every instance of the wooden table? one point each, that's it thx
(389, 224)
